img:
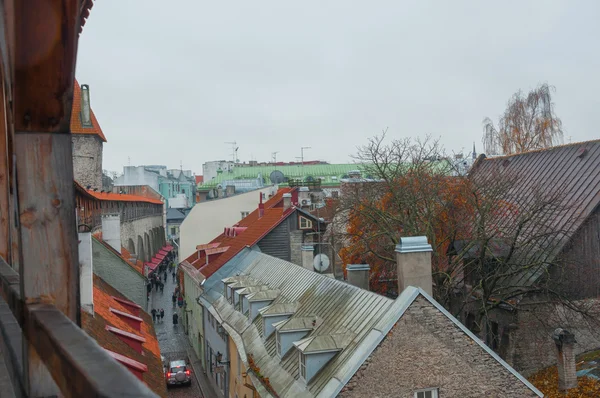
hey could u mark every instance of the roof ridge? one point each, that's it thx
(492, 157)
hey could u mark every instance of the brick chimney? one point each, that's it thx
(413, 259)
(111, 231)
(567, 372)
(287, 201)
(358, 275)
(261, 206)
(86, 272)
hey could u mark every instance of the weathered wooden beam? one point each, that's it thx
(80, 367)
(46, 33)
(50, 269)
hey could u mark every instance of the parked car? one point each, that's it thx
(177, 373)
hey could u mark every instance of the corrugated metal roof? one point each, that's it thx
(349, 319)
(570, 174)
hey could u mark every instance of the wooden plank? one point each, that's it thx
(50, 264)
(46, 33)
(4, 177)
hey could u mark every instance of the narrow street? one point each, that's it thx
(172, 340)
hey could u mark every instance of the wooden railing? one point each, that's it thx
(77, 364)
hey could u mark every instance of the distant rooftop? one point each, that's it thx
(330, 174)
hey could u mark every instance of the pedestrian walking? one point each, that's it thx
(162, 287)
(180, 301)
(175, 318)
(165, 276)
(174, 298)
(153, 314)
(162, 314)
(173, 276)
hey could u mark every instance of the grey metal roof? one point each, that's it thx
(350, 319)
(335, 342)
(570, 173)
(174, 214)
(297, 323)
(264, 295)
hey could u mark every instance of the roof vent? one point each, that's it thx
(581, 152)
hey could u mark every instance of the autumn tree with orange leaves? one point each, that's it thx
(486, 237)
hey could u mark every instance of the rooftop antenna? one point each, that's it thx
(128, 160)
(234, 149)
(302, 157)
(181, 165)
(274, 156)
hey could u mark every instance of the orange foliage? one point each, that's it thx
(547, 382)
(428, 204)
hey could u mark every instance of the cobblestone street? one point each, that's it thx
(172, 341)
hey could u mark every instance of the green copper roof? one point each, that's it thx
(330, 174)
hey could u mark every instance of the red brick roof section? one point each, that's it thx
(96, 327)
(199, 179)
(117, 197)
(76, 126)
(256, 229)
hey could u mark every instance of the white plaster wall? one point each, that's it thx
(207, 219)
(111, 231)
(86, 277)
(137, 175)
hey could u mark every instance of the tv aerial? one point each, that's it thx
(321, 262)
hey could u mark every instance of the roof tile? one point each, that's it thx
(96, 325)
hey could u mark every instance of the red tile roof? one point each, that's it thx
(256, 229)
(76, 126)
(96, 327)
(117, 197)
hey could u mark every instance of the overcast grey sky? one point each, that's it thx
(172, 81)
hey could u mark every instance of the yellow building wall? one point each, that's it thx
(237, 387)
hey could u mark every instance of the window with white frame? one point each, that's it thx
(302, 365)
(427, 393)
(244, 214)
(278, 342)
(305, 223)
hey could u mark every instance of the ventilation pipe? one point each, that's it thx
(261, 206)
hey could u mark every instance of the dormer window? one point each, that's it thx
(292, 330)
(316, 351)
(305, 223)
(303, 366)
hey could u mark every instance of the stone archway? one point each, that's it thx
(140, 249)
(131, 247)
(162, 235)
(148, 247)
(152, 242)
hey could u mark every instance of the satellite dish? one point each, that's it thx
(276, 177)
(321, 262)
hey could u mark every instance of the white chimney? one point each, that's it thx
(287, 201)
(567, 370)
(413, 259)
(86, 109)
(358, 275)
(307, 257)
(86, 272)
(111, 231)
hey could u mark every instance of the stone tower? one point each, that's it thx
(87, 138)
